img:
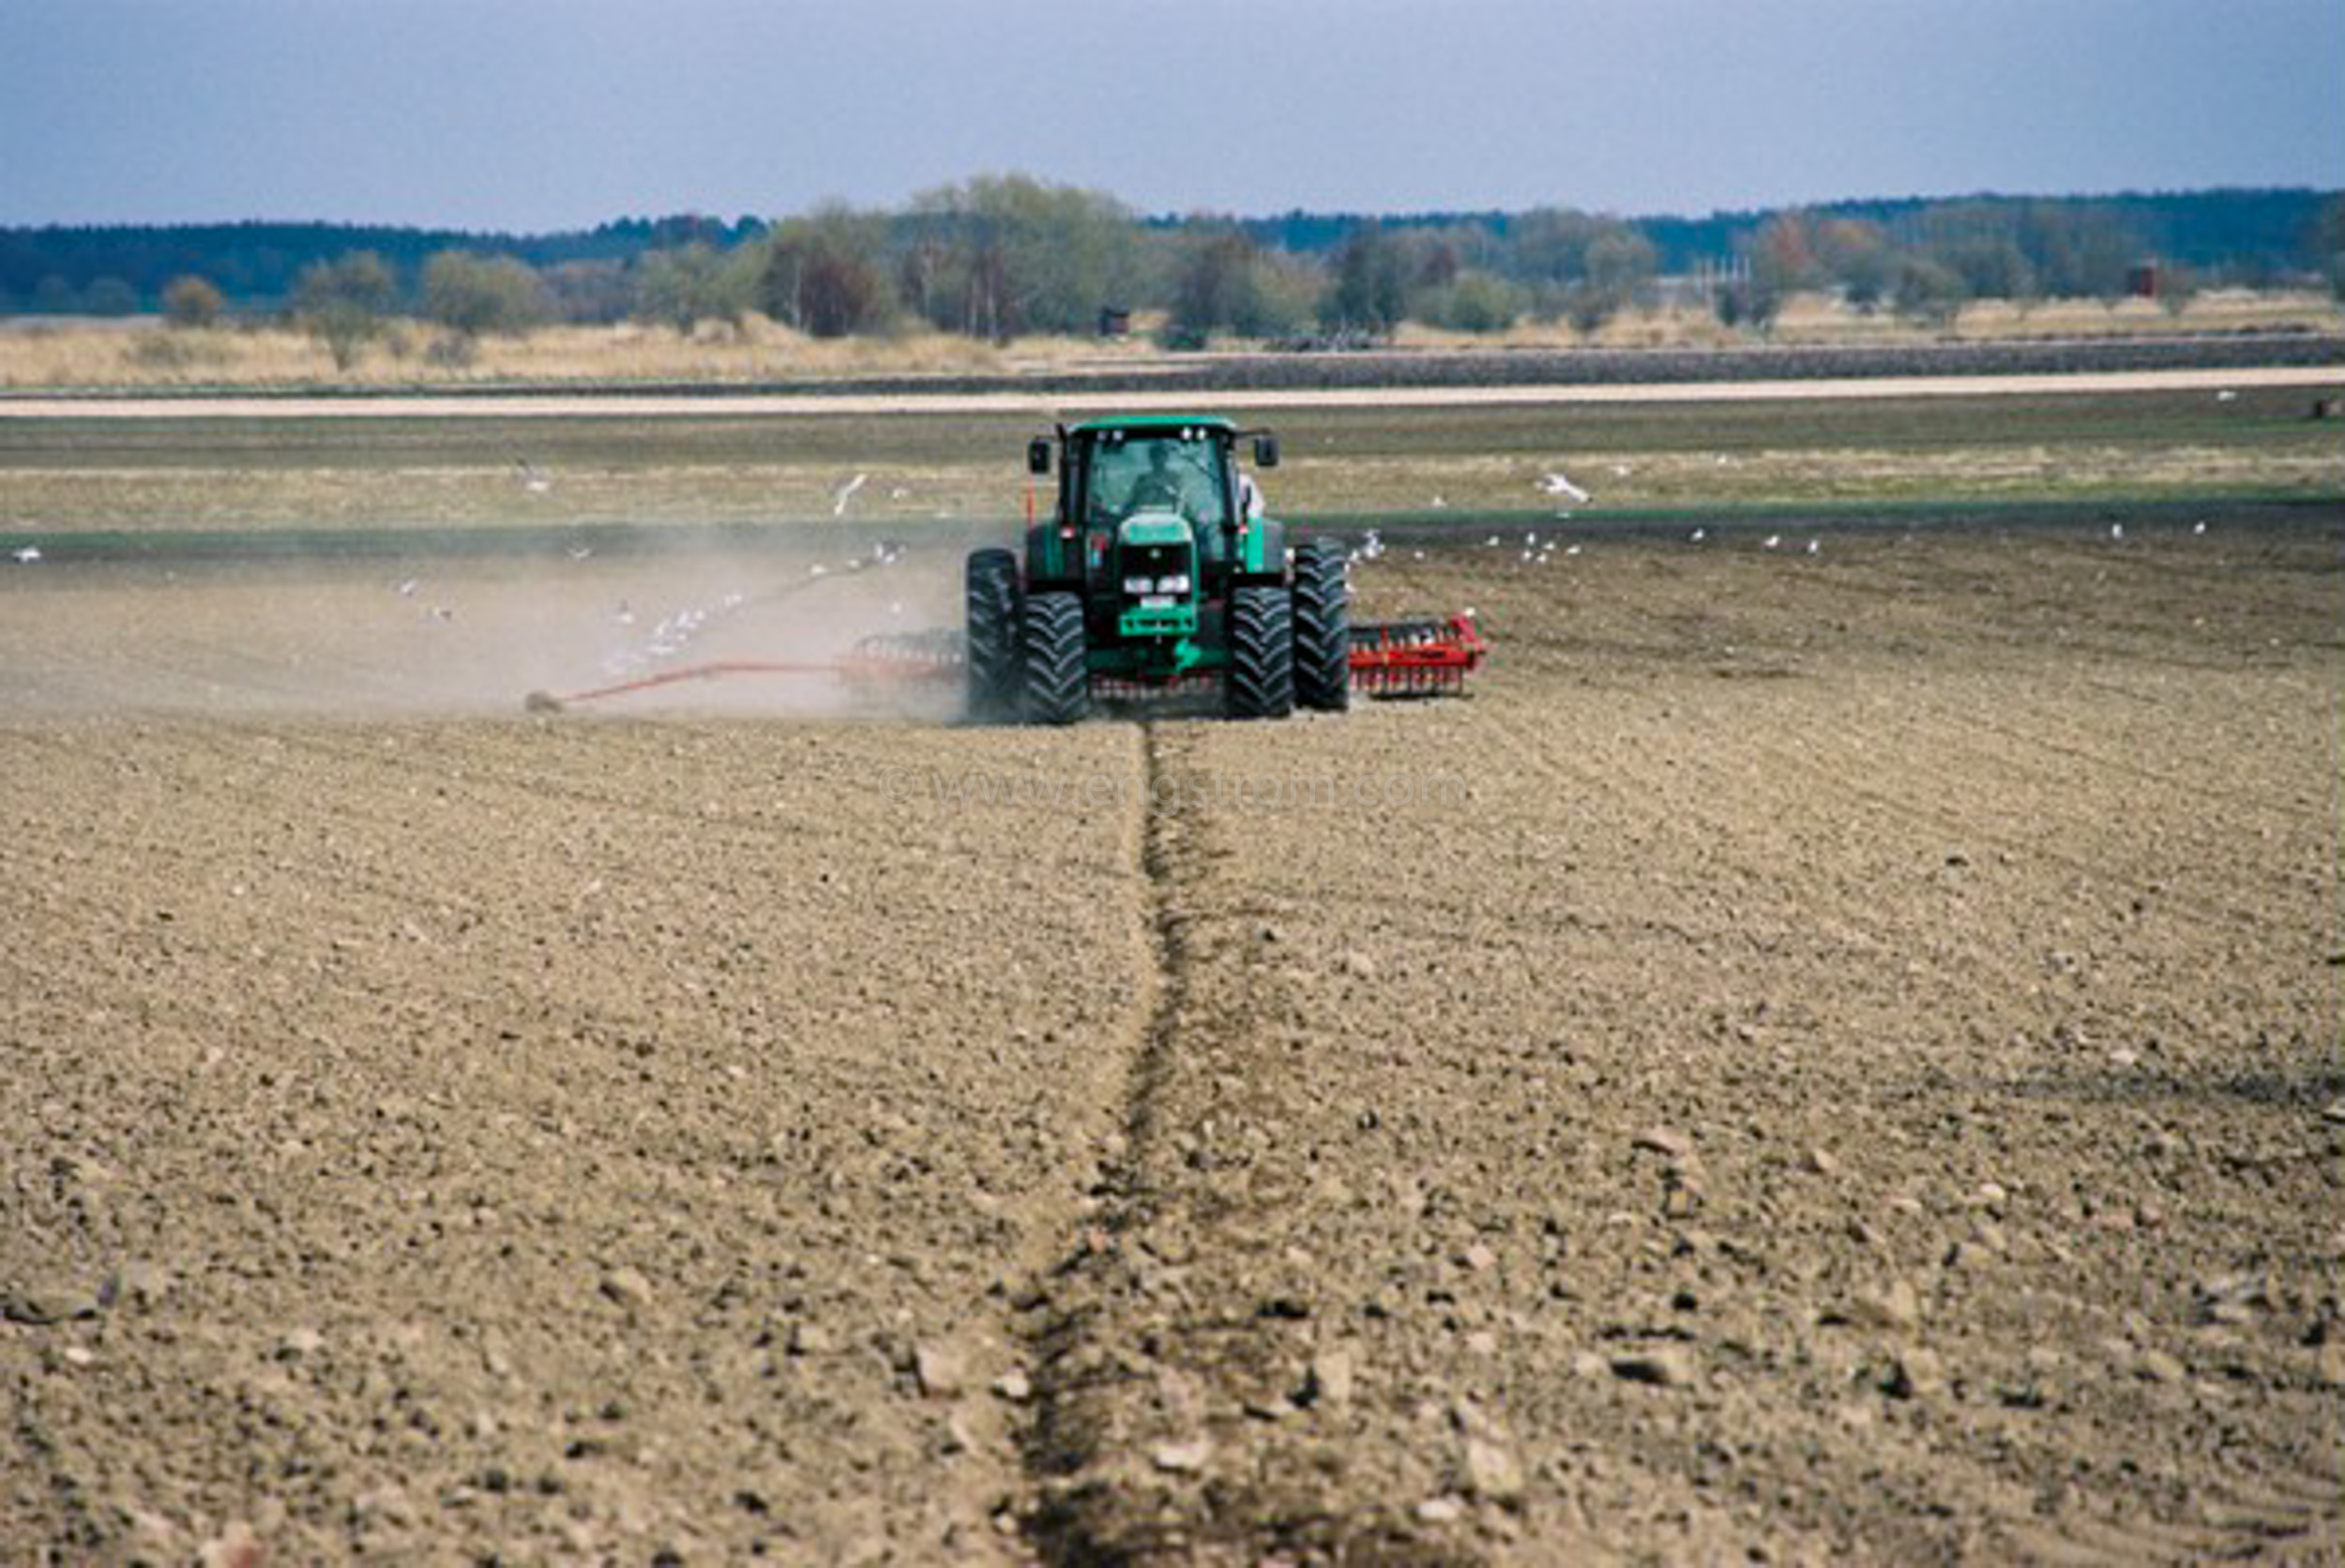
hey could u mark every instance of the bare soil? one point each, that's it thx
(1822, 1056)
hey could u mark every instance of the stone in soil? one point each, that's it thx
(1329, 1383)
(1183, 1459)
(1663, 1365)
(941, 1368)
(1917, 1374)
(1491, 1472)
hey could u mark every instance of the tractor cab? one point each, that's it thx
(1154, 498)
(1184, 471)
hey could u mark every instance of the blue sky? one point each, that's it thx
(531, 114)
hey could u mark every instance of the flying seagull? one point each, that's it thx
(844, 494)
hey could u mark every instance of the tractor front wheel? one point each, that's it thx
(1261, 679)
(1322, 628)
(992, 644)
(1055, 667)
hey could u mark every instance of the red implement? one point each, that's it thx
(892, 661)
(1416, 658)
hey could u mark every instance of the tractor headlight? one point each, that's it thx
(1178, 584)
(1138, 585)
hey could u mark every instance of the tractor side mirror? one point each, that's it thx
(1265, 451)
(1037, 456)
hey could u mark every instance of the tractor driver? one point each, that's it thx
(1158, 489)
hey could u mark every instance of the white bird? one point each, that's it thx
(626, 613)
(2226, 395)
(581, 553)
(1528, 554)
(407, 589)
(1772, 540)
(1621, 470)
(28, 557)
(2199, 527)
(1815, 546)
(534, 479)
(1698, 534)
(1439, 502)
(1571, 550)
(898, 493)
(2116, 530)
(817, 569)
(1532, 538)
(1556, 484)
(844, 494)
(1492, 543)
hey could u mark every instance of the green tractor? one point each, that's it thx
(1153, 573)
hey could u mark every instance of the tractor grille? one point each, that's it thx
(1157, 575)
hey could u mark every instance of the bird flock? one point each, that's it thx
(677, 630)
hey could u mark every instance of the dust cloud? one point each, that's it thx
(450, 635)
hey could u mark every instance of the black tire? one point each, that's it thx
(1054, 674)
(1261, 679)
(990, 580)
(1322, 628)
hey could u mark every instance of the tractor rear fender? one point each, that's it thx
(1261, 555)
(1052, 561)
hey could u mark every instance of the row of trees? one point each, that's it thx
(999, 258)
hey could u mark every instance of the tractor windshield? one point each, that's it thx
(1179, 471)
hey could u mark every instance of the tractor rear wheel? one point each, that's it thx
(1056, 671)
(1261, 678)
(1322, 628)
(990, 580)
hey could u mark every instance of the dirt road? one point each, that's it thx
(1047, 402)
(1825, 1056)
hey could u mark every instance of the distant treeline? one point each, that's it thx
(256, 265)
(1000, 257)
(2250, 237)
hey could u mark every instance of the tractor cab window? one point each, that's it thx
(1179, 471)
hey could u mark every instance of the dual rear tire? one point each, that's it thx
(1054, 669)
(1260, 683)
(1024, 654)
(1292, 647)
(1322, 628)
(991, 584)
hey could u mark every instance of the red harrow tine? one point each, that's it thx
(890, 661)
(1415, 658)
(902, 659)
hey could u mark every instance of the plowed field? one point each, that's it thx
(1822, 1057)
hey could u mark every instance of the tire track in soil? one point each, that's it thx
(1070, 1517)
(1170, 1325)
